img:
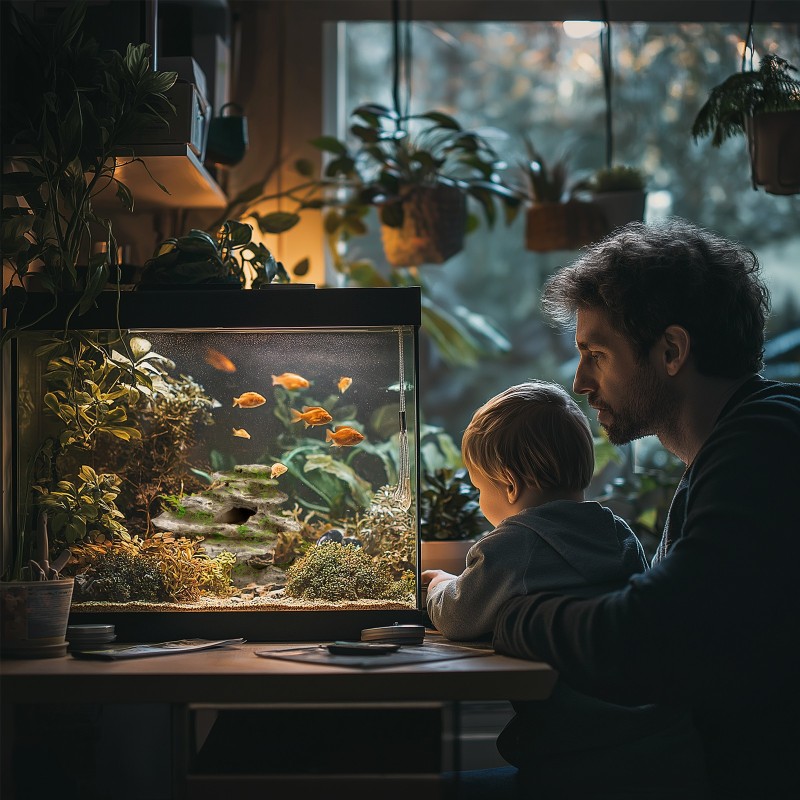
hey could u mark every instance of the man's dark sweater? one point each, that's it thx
(716, 622)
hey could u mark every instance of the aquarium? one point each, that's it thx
(221, 463)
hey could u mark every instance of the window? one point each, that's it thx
(531, 78)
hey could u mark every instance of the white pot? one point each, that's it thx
(621, 208)
(451, 556)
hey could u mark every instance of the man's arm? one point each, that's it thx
(719, 613)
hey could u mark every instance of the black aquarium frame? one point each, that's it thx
(278, 306)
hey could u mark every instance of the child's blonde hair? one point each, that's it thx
(534, 432)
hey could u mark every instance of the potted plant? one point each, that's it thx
(450, 519)
(555, 219)
(34, 605)
(620, 193)
(418, 171)
(65, 124)
(227, 258)
(68, 110)
(764, 106)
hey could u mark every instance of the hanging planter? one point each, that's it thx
(563, 226)
(434, 223)
(620, 194)
(773, 142)
(764, 106)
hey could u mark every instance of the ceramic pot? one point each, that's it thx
(563, 226)
(433, 228)
(34, 618)
(451, 556)
(773, 138)
(620, 208)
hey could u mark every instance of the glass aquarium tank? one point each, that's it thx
(221, 463)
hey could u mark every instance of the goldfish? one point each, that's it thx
(241, 433)
(278, 469)
(219, 361)
(343, 436)
(249, 400)
(344, 384)
(313, 415)
(290, 381)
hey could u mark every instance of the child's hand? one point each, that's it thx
(432, 577)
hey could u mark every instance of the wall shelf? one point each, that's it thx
(175, 166)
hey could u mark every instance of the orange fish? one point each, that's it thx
(344, 384)
(343, 436)
(290, 381)
(278, 469)
(249, 400)
(219, 361)
(241, 433)
(313, 415)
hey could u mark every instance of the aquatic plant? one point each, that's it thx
(185, 570)
(155, 466)
(387, 531)
(89, 392)
(337, 572)
(83, 507)
(120, 576)
(290, 546)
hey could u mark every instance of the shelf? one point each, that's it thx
(173, 165)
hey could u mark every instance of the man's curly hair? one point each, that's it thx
(647, 277)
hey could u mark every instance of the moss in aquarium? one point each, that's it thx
(120, 576)
(338, 572)
(185, 569)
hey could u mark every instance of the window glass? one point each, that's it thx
(532, 79)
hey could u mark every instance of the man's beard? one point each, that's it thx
(649, 408)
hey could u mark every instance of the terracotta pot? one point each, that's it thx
(451, 556)
(34, 618)
(433, 229)
(774, 152)
(563, 226)
(620, 208)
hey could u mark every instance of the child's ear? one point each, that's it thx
(511, 485)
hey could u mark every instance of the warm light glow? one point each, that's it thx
(581, 28)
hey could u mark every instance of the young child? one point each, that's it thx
(529, 452)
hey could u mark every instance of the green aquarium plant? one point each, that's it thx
(227, 256)
(69, 108)
(340, 572)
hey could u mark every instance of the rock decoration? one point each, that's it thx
(239, 512)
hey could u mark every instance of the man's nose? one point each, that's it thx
(581, 384)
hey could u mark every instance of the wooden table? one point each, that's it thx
(234, 677)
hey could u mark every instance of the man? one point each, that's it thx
(670, 332)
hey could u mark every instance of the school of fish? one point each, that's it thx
(312, 416)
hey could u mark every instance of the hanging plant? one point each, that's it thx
(555, 219)
(417, 170)
(764, 106)
(619, 192)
